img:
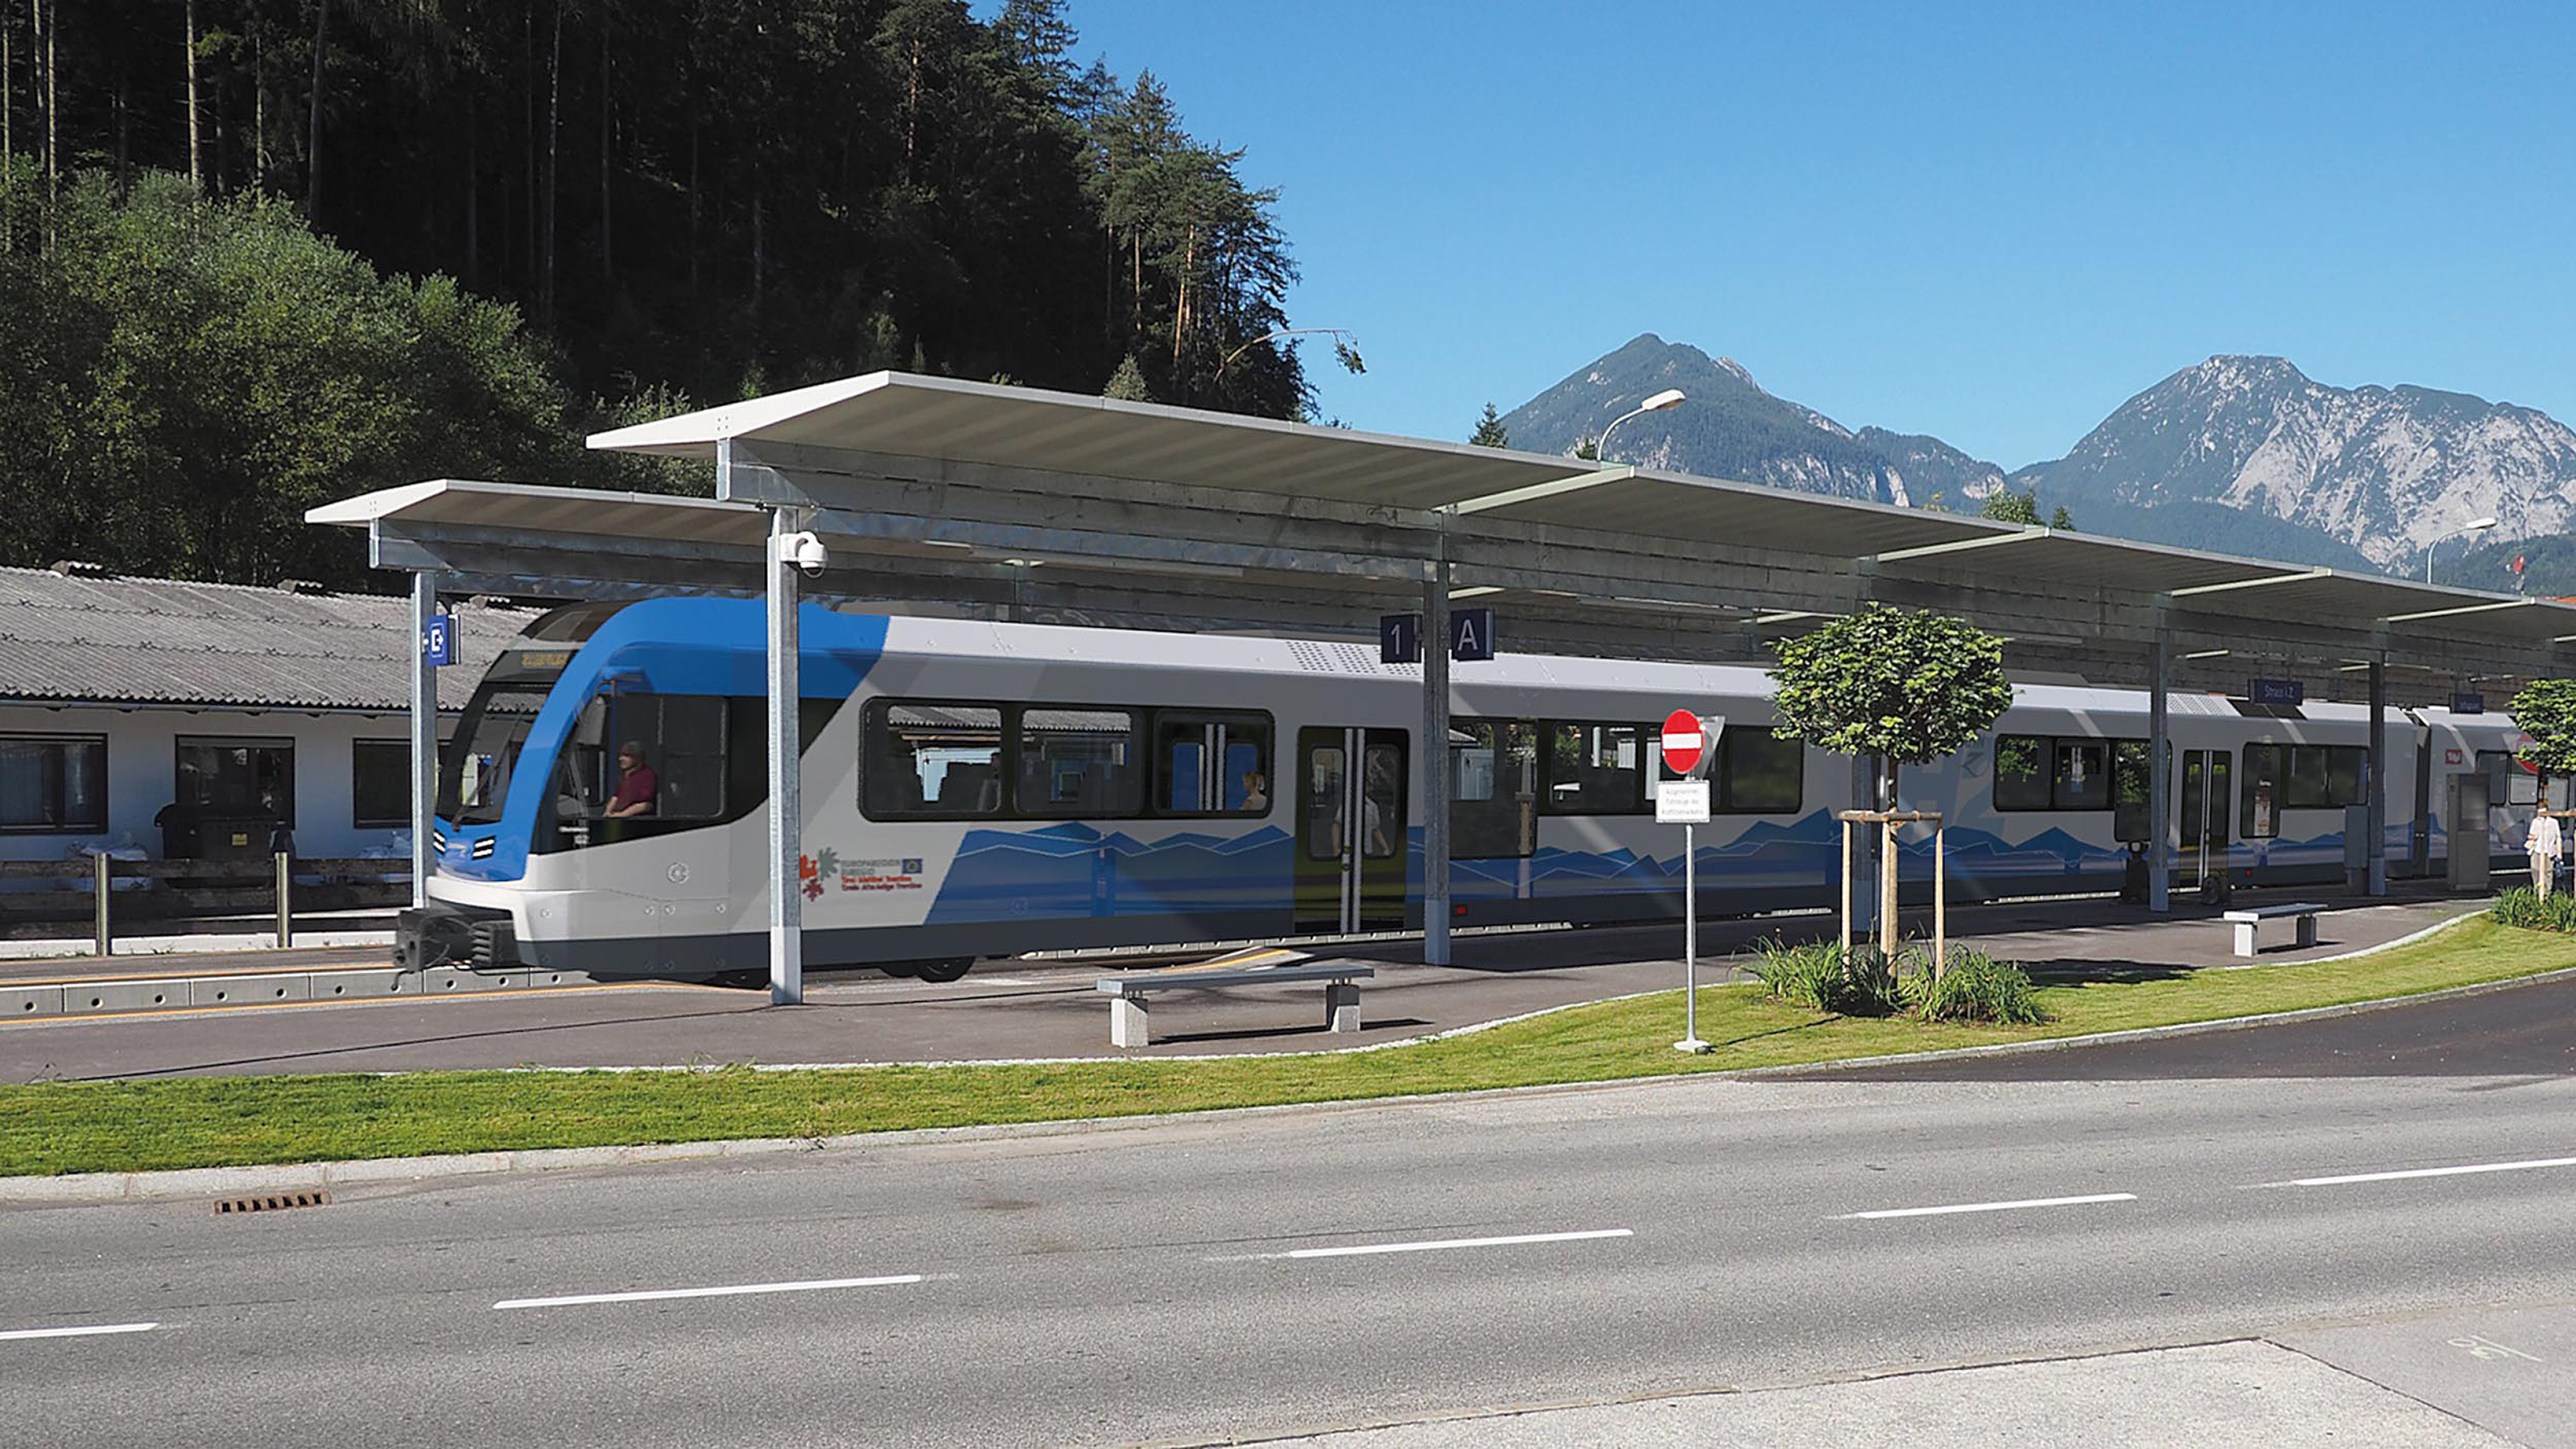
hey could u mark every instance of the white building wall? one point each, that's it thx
(142, 769)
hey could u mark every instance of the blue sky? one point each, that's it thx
(1993, 223)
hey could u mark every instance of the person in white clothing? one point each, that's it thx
(2544, 844)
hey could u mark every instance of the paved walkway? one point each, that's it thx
(2248, 1392)
(1023, 1009)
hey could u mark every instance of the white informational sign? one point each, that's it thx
(1682, 802)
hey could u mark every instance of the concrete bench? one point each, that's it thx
(1128, 994)
(2245, 922)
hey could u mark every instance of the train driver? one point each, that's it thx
(637, 785)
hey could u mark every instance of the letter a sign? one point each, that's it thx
(1471, 634)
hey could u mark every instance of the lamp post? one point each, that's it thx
(1670, 397)
(2474, 525)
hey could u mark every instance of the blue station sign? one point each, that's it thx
(438, 641)
(2277, 691)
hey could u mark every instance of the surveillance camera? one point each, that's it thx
(805, 551)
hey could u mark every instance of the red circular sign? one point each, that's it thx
(1683, 742)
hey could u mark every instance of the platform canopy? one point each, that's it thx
(934, 495)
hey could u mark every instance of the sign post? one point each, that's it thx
(1689, 744)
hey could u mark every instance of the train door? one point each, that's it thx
(2208, 806)
(1351, 834)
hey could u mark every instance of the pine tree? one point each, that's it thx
(1489, 431)
(2061, 520)
(1127, 384)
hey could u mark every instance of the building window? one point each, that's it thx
(1212, 764)
(223, 778)
(932, 761)
(1079, 762)
(53, 783)
(380, 785)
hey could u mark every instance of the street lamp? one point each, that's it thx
(2474, 525)
(1670, 397)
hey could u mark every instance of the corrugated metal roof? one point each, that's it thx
(118, 640)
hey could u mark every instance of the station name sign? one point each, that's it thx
(2468, 704)
(2277, 691)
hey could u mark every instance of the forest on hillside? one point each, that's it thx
(259, 253)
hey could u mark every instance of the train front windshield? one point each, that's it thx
(474, 781)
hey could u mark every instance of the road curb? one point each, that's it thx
(208, 1182)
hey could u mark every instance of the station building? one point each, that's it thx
(249, 707)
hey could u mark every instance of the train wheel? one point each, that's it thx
(946, 970)
(901, 970)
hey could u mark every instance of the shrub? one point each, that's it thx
(1977, 987)
(2520, 906)
(1817, 976)
(1807, 975)
(1873, 981)
(2517, 907)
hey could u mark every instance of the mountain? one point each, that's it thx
(1731, 428)
(2249, 455)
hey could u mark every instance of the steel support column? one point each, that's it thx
(424, 735)
(2375, 857)
(786, 799)
(1432, 762)
(2159, 777)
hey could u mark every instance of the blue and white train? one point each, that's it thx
(979, 789)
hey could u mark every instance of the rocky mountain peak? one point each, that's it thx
(2379, 470)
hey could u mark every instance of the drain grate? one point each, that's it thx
(275, 1202)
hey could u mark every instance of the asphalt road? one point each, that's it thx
(1193, 1280)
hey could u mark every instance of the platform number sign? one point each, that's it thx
(1399, 638)
(1471, 636)
(438, 641)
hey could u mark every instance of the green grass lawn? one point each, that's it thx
(57, 1127)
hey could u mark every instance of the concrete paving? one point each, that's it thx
(2174, 1398)
(1047, 1008)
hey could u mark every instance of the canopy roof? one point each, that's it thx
(952, 488)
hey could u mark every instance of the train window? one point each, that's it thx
(1212, 764)
(2064, 772)
(2130, 783)
(1081, 761)
(2266, 783)
(931, 761)
(1592, 769)
(1493, 788)
(1759, 773)
(1327, 790)
(2022, 772)
(667, 759)
(2083, 775)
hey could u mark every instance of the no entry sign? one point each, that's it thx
(1684, 745)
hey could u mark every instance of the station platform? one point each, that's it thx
(1023, 1009)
